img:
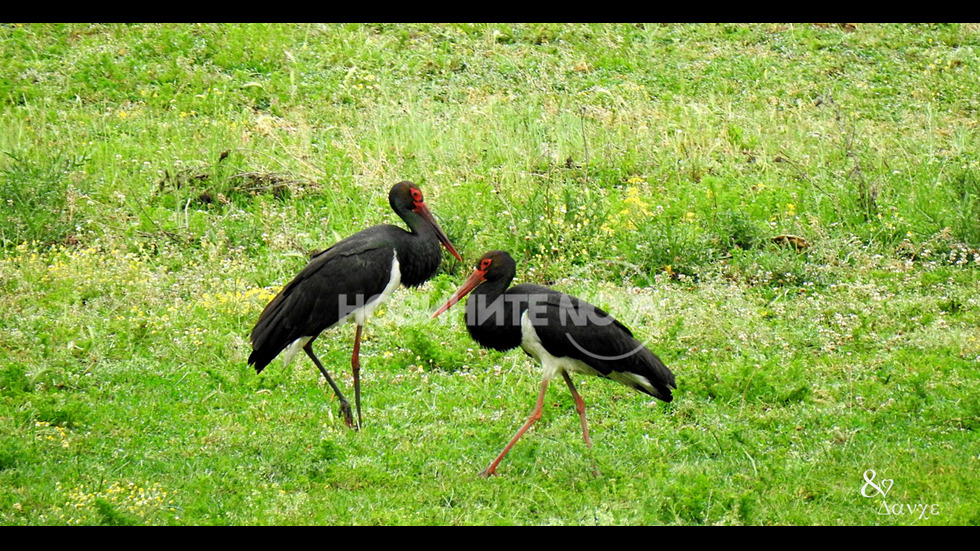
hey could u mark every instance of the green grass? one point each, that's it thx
(161, 182)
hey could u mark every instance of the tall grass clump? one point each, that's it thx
(40, 202)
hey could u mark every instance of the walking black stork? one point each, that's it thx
(565, 334)
(347, 282)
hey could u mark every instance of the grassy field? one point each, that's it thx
(160, 183)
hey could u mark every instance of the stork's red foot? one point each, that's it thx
(348, 415)
(488, 472)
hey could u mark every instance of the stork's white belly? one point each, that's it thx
(551, 365)
(361, 315)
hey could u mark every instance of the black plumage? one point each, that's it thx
(349, 280)
(564, 333)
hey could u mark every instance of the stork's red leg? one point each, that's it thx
(579, 407)
(344, 404)
(355, 364)
(535, 415)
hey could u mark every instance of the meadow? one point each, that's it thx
(787, 214)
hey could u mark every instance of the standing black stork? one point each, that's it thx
(347, 282)
(565, 334)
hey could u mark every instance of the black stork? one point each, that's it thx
(347, 282)
(565, 334)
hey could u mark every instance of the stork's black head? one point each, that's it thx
(497, 268)
(405, 196)
(497, 265)
(406, 200)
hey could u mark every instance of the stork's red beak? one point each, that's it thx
(426, 215)
(475, 279)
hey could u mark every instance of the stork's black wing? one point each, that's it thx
(571, 327)
(332, 284)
